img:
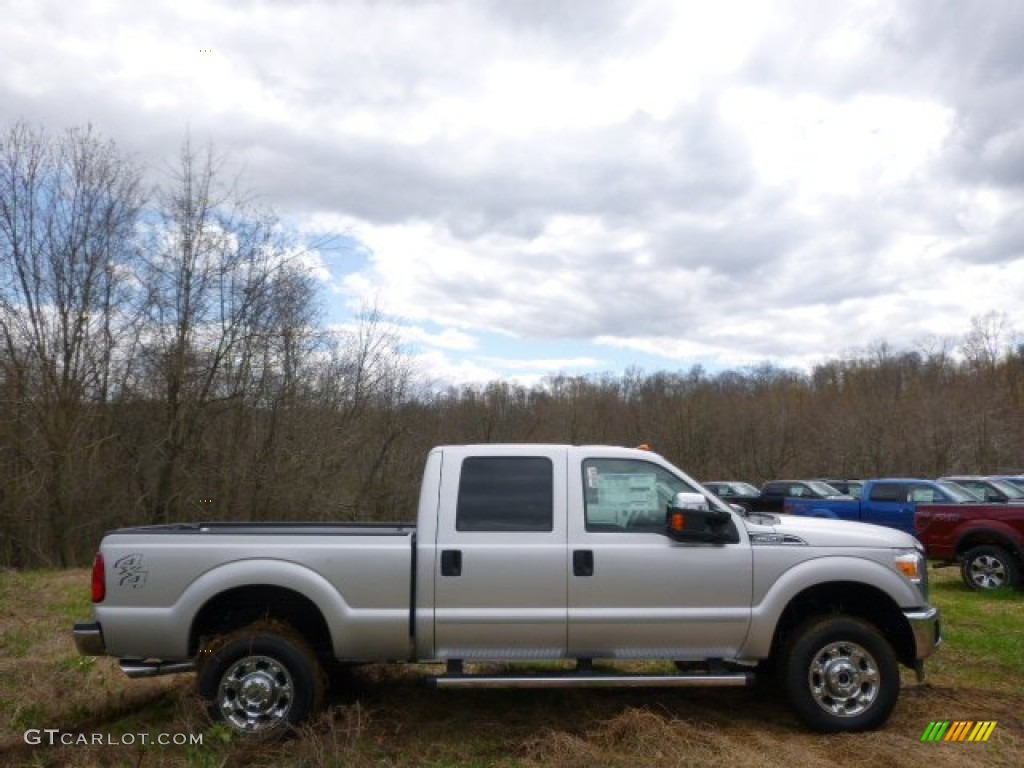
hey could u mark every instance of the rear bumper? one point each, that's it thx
(927, 628)
(89, 639)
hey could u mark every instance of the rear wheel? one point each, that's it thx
(988, 568)
(840, 674)
(261, 680)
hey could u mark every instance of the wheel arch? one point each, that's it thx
(848, 598)
(237, 607)
(978, 537)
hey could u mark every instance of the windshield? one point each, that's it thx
(1011, 490)
(958, 492)
(744, 489)
(824, 489)
(1017, 481)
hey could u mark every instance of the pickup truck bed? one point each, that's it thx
(334, 559)
(276, 528)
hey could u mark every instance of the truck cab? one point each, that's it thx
(525, 558)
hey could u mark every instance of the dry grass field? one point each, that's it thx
(384, 716)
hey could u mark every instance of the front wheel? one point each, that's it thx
(988, 568)
(840, 675)
(261, 680)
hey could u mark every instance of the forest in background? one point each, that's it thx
(162, 359)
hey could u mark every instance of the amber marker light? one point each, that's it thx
(678, 521)
(909, 565)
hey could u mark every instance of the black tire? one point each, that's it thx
(840, 675)
(988, 568)
(261, 680)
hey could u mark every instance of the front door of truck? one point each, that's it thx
(500, 583)
(640, 594)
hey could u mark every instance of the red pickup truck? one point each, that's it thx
(986, 539)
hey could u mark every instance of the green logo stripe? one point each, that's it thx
(935, 730)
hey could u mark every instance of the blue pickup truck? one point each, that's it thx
(887, 501)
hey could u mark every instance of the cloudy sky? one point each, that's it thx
(540, 186)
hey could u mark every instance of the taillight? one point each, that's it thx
(99, 582)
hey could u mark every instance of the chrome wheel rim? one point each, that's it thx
(987, 572)
(844, 679)
(256, 694)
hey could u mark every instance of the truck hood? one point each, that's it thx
(823, 532)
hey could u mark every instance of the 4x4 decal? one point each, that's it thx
(129, 571)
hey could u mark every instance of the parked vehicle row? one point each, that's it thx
(974, 521)
(773, 494)
(890, 501)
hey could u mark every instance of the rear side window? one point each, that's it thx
(505, 494)
(889, 492)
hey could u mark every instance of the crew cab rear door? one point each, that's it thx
(500, 557)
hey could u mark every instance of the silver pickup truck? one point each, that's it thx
(523, 553)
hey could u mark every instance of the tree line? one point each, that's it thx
(162, 359)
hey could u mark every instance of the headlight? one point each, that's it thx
(912, 564)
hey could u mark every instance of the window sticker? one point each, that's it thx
(622, 497)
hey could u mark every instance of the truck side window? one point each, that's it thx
(505, 494)
(924, 495)
(628, 495)
(889, 492)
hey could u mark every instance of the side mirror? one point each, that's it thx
(690, 518)
(693, 501)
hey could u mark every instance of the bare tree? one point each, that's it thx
(985, 343)
(226, 307)
(68, 207)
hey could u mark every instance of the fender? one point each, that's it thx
(163, 632)
(991, 528)
(765, 614)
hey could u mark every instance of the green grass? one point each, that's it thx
(983, 632)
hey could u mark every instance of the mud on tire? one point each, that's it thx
(261, 680)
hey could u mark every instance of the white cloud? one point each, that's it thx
(449, 338)
(727, 182)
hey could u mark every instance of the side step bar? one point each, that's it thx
(135, 668)
(586, 678)
(578, 680)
